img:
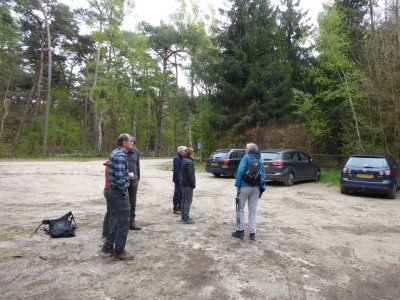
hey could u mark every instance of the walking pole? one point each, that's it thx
(237, 211)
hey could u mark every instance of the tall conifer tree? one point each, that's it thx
(253, 86)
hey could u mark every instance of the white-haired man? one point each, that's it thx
(176, 178)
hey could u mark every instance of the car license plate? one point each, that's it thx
(214, 164)
(369, 176)
(266, 166)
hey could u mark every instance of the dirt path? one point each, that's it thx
(312, 242)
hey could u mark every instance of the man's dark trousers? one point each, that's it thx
(133, 188)
(106, 222)
(177, 196)
(119, 221)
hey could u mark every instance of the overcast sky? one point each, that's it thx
(153, 11)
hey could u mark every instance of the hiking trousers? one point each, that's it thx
(119, 221)
(187, 198)
(248, 194)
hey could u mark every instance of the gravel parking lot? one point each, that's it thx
(312, 242)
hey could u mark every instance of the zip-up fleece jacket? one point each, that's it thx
(187, 172)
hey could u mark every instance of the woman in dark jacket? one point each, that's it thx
(188, 184)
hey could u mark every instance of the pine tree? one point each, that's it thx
(253, 88)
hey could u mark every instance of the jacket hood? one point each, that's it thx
(254, 155)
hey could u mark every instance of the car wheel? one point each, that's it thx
(216, 174)
(343, 190)
(393, 193)
(235, 173)
(317, 176)
(289, 180)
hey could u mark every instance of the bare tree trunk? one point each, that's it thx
(92, 101)
(5, 105)
(192, 86)
(147, 147)
(48, 102)
(371, 14)
(23, 118)
(159, 114)
(85, 121)
(343, 78)
(100, 131)
(160, 110)
(97, 133)
(40, 77)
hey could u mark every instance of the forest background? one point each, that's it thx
(254, 72)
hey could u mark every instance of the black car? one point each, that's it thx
(371, 173)
(224, 161)
(289, 166)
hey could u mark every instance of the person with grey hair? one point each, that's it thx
(119, 200)
(176, 178)
(249, 188)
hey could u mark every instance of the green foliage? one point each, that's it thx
(338, 81)
(256, 66)
(202, 123)
(331, 176)
(244, 80)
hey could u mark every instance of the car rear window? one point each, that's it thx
(236, 155)
(367, 162)
(219, 154)
(270, 155)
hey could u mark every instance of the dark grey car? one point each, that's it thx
(289, 166)
(224, 162)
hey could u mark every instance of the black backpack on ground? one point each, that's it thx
(62, 227)
(252, 174)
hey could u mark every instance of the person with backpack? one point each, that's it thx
(250, 183)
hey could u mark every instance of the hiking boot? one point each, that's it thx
(189, 221)
(252, 236)
(238, 234)
(177, 211)
(123, 256)
(108, 250)
(134, 226)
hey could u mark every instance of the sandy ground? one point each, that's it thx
(312, 242)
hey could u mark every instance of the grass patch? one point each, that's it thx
(9, 233)
(37, 283)
(199, 166)
(331, 176)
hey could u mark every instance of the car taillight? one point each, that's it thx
(346, 170)
(226, 162)
(386, 172)
(278, 163)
